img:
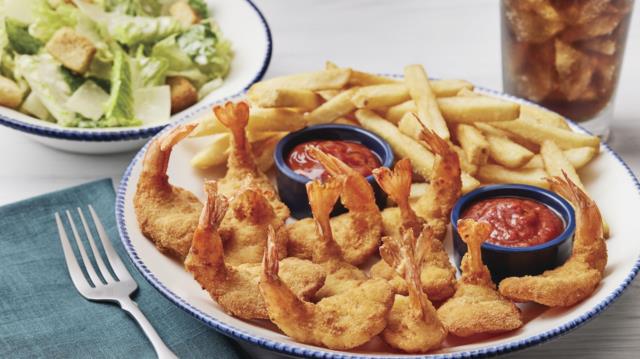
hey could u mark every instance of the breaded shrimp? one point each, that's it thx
(241, 165)
(477, 307)
(444, 189)
(236, 288)
(413, 324)
(358, 231)
(167, 215)
(579, 276)
(341, 276)
(343, 321)
(244, 228)
(437, 274)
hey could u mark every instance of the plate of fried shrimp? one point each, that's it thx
(372, 282)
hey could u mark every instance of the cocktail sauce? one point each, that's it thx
(516, 222)
(355, 155)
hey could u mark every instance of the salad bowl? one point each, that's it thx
(241, 24)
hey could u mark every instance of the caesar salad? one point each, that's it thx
(108, 63)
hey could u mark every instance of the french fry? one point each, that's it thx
(214, 154)
(336, 107)
(539, 133)
(578, 157)
(469, 183)
(404, 146)
(377, 96)
(465, 92)
(328, 94)
(508, 153)
(417, 82)
(395, 113)
(498, 174)
(274, 97)
(359, 78)
(263, 151)
(487, 129)
(473, 143)
(543, 117)
(418, 190)
(260, 120)
(410, 125)
(448, 88)
(465, 165)
(347, 121)
(332, 79)
(555, 163)
(472, 109)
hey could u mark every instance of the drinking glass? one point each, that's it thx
(566, 55)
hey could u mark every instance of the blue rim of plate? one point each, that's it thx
(135, 133)
(292, 349)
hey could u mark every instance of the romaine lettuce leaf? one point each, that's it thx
(153, 104)
(149, 71)
(134, 7)
(200, 7)
(19, 38)
(45, 79)
(130, 30)
(208, 51)
(48, 20)
(119, 109)
(88, 100)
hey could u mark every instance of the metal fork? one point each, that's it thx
(108, 289)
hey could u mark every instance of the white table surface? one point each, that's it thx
(453, 39)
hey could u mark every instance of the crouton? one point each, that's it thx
(74, 51)
(184, 13)
(183, 93)
(10, 93)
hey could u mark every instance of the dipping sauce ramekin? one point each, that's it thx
(291, 185)
(506, 261)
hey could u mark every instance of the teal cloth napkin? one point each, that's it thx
(43, 316)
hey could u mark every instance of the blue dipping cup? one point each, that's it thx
(518, 261)
(291, 186)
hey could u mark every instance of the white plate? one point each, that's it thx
(608, 179)
(240, 21)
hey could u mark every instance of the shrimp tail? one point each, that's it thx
(235, 118)
(215, 207)
(178, 134)
(422, 247)
(156, 160)
(334, 166)
(357, 194)
(270, 261)
(474, 234)
(397, 184)
(322, 198)
(433, 142)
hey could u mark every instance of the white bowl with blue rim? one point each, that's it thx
(242, 24)
(607, 178)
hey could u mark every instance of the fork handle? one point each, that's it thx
(162, 350)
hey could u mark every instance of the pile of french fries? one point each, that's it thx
(497, 141)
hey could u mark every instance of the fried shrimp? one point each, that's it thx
(579, 276)
(341, 276)
(167, 215)
(437, 275)
(241, 165)
(358, 231)
(413, 324)
(235, 288)
(477, 307)
(343, 321)
(244, 228)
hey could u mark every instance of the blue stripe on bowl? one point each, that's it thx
(292, 349)
(125, 134)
